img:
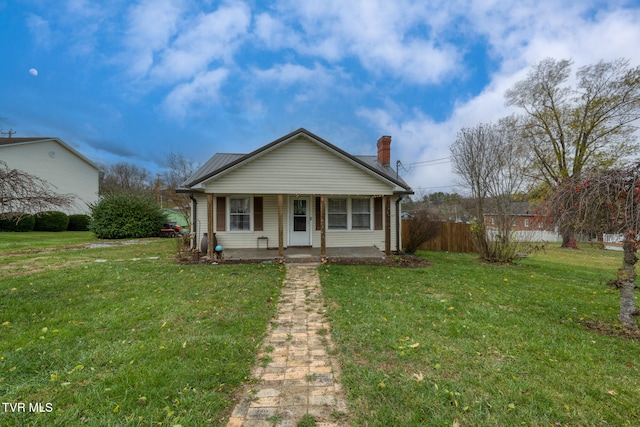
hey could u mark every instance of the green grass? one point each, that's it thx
(38, 240)
(471, 344)
(124, 342)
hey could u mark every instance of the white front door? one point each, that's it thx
(300, 222)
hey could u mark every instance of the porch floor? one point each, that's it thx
(295, 254)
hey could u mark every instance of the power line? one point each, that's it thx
(441, 160)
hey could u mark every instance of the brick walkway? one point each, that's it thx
(297, 373)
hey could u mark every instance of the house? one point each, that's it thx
(56, 162)
(298, 191)
(525, 224)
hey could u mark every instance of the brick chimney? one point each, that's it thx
(384, 150)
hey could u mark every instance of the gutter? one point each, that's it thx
(194, 216)
(398, 223)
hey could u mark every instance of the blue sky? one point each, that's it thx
(124, 80)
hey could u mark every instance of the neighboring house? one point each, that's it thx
(56, 162)
(525, 224)
(298, 190)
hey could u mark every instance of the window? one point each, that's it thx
(337, 214)
(493, 221)
(526, 223)
(349, 214)
(360, 214)
(240, 214)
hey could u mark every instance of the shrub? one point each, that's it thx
(79, 222)
(51, 221)
(17, 222)
(424, 226)
(126, 215)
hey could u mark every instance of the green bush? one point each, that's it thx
(15, 222)
(126, 215)
(51, 221)
(79, 222)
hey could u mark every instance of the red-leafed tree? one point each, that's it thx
(606, 202)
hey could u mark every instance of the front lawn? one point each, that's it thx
(126, 336)
(38, 240)
(468, 344)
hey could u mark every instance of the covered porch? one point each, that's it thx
(293, 254)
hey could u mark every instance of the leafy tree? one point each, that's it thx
(606, 202)
(127, 215)
(574, 126)
(22, 193)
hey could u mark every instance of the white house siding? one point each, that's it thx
(244, 239)
(300, 166)
(48, 160)
(200, 216)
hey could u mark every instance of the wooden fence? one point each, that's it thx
(453, 237)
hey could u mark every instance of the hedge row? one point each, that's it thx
(45, 221)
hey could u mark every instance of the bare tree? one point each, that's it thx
(491, 161)
(22, 193)
(178, 169)
(571, 128)
(606, 202)
(125, 176)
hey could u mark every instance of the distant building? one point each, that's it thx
(524, 223)
(56, 162)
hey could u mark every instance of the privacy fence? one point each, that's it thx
(453, 237)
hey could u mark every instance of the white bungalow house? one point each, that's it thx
(56, 162)
(298, 191)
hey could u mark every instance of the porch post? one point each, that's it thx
(387, 225)
(210, 235)
(323, 227)
(280, 226)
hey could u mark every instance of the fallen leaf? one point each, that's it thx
(612, 392)
(416, 345)
(419, 377)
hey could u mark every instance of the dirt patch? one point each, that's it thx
(611, 329)
(408, 261)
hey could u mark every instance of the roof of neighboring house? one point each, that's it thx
(516, 208)
(31, 140)
(223, 161)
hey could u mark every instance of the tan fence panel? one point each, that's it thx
(454, 237)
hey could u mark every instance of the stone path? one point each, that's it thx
(297, 372)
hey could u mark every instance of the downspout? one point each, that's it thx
(194, 217)
(398, 223)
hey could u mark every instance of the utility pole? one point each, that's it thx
(9, 134)
(158, 188)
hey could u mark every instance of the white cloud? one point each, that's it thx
(203, 89)
(40, 30)
(151, 24)
(388, 38)
(206, 38)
